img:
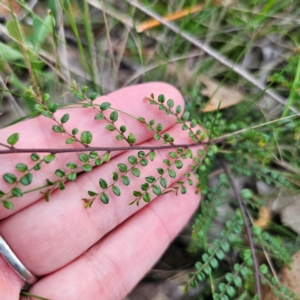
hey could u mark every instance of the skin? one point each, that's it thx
(101, 252)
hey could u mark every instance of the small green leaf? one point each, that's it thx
(84, 89)
(230, 291)
(131, 138)
(150, 179)
(142, 120)
(48, 158)
(220, 254)
(60, 173)
(156, 190)
(104, 198)
(145, 186)
(119, 137)
(178, 164)
(61, 185)
(49, 182)
(13, 139)
(170, 103)
(161, 98)
(152, 122)
(102, 183)
(92, 194)
(116, 190)
(105, 106)
(137, 193)
(47, 114)
(115, 176)
(71, 165)
(189, 153)
(122, 167)
(152, 155)
(83, 157)
(9, 178)
(37, 166)
(79, 96)
(183, 190)
(263, 269)
(110, 127)
(70, 141)
(21, 167)
(178, 109)
(106, 157)
(156, 137)
(163, 182)
(237, 281)
(34, 157)
(87, 167)
(193, 283)
(72, 176)
(114, 116)
(167, 162)
(136, 172)
(93, 96)
(98, 161)
(144, 162)
(123, 128)
(99, 117)
(57, 129)
(146, 197)
(93, 154)
(160, 171)
(225, 247)
(125, 180)
(17, 192)
(172, 173)
(65, 118)
(214, 263)
(26, 179)
(159, 127)
(1, 193)
(201, 152)
(185, 116)
(7, 204)
(74, 131)
(173, 154)
(141, 154)
(132, 159)
(86, 137)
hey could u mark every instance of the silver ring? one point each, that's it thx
(15, 263)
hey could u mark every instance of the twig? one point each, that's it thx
(225, 136)
(107, 149)
(111, 50)
(149, 24)
(213, 53)
(248, 230)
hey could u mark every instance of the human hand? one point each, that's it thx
(103, 251)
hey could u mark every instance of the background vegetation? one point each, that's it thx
(237, 65)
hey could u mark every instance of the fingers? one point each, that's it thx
(37, 133)
(10, 282)
(47, 236)
(112, 267)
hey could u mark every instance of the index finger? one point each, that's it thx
(37, 133)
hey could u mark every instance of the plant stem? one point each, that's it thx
(108, 149)
(248, 230)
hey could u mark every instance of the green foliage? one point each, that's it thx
(249, 152)
(13, 139)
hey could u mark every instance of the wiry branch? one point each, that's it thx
(107, 149)
(248, 230)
